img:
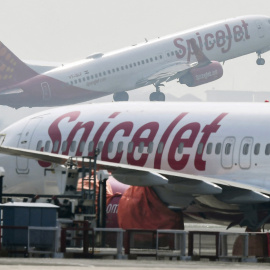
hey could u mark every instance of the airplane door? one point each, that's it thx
(46, 91)
(227, 153)
(260, 28)
(24, 142)
(245, 153)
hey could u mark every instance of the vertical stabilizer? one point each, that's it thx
(12, 69)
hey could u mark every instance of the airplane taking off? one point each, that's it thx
(191, 57)
(201, 157)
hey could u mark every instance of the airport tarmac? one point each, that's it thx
(79, 264)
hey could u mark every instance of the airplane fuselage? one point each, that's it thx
(225, 141)
(153, 62)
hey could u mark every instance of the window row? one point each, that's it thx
(116, 69)
(210, 147)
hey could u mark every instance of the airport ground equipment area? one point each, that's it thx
(73, 225)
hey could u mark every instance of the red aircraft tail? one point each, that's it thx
(12, 69)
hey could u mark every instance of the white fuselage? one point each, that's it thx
(225, 141)
(122, 70)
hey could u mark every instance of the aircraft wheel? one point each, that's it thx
(160, 96)
(122, 96)
(260, 61)
(153, 96)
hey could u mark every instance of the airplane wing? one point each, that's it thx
(176, 69)
(193, 185)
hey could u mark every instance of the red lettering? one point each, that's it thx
(137, 140)
(209, 41)
(220, 38)
(238, 33)
(245, 25)
(164, 138)
(229, 36)
(127, 128)
(199, 40)
(188, 143)
(182, 52)
(208, 129)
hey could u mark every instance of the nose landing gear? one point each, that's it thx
(157, 96)
(260, 61)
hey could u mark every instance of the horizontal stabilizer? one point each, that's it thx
(242, 196)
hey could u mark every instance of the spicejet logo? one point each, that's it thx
(222, 39)
(146, 134)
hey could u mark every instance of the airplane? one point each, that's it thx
(192, 57)
(211, 160)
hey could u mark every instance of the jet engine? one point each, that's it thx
(201, 75)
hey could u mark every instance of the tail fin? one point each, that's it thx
(12, 69)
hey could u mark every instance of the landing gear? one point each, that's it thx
(121, 96)
(260, 61)
(157, 96)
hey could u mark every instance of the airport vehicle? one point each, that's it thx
(192, 57)
(203, 158)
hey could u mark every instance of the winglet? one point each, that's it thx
(12, 69)
(200, 56)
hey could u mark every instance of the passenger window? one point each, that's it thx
(209, 148)
(228, 148)
(130, 147)
(100, 146)
(96, 75)
(147, 61)
(80, 80)
(91, 146)
(82, 145)
(39, 145)
(142, 62)
(47, 146)
(83, 79)
(113, 70)
(156, 58)
(134, 64)
(88, 78)
(110, 147)
(172, 53)
(117, 69)
(180, 148)
(92, 77)
(120, 147)
(109, 72)
(257, 149)
(122, 68)
(75, 81)
(218, 148)
(104, 73)
(200, 148)
(130, 65)
(150, 148)
(64, 146)
(55, 146)
(126, 66)
(245, 149)
(73, 146)
(141, 146)
(99, 74)
(160, 147)
(138, 63)
(151, 59)
(168, 54)
(267, 149)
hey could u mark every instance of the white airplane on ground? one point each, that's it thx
(192, 57)
(201, 157)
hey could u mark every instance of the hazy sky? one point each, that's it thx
(68, 30)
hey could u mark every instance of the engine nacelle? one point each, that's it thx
(202, 75)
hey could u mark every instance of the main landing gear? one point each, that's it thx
(120, 96)
(260, 61)
(157, 96)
